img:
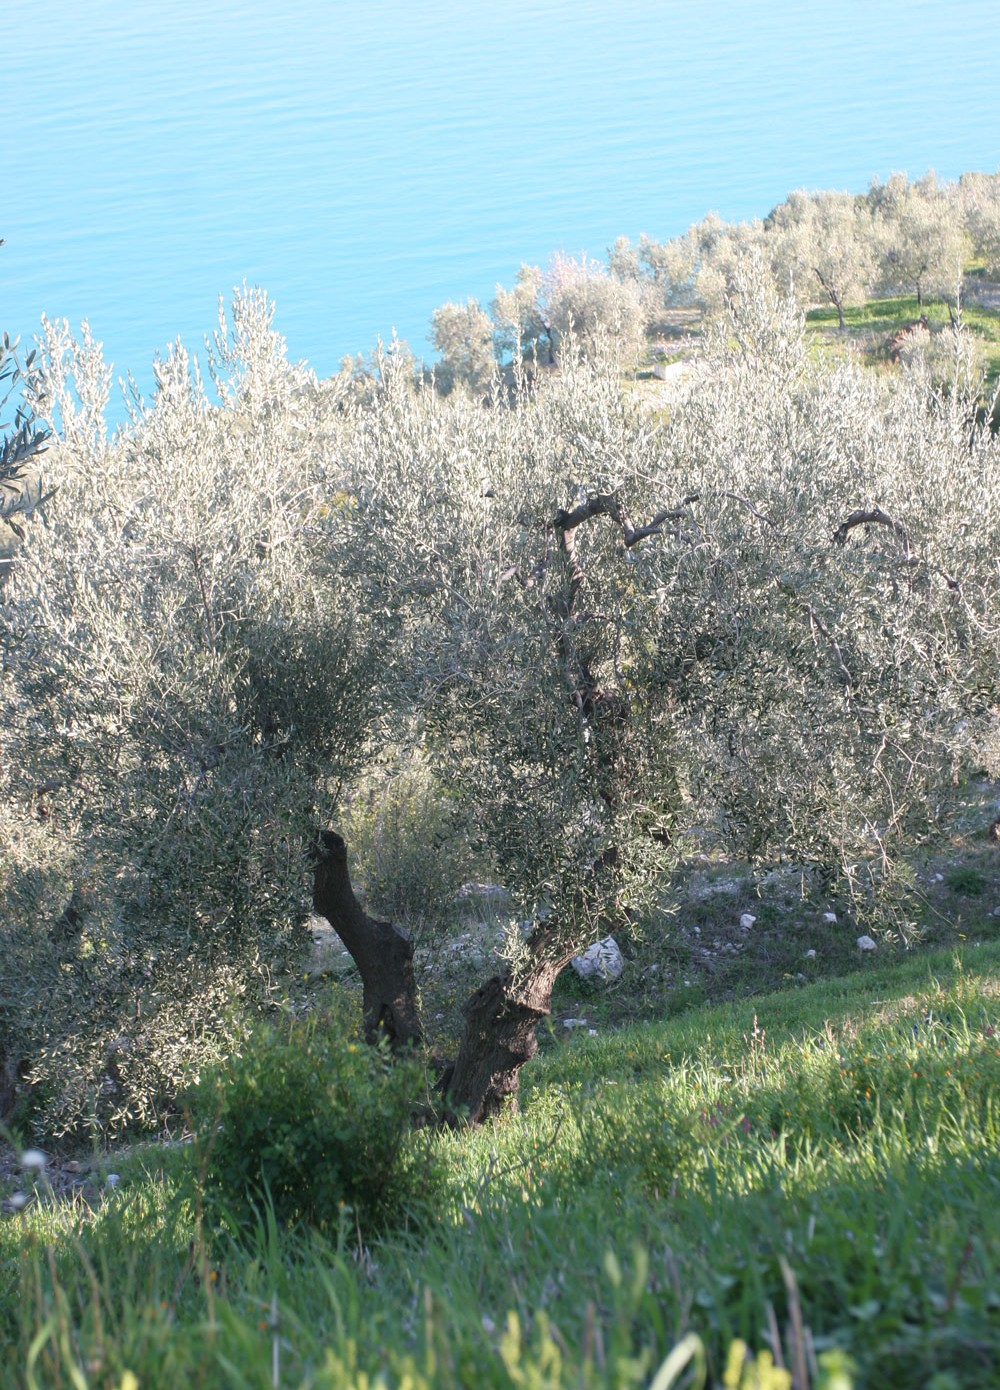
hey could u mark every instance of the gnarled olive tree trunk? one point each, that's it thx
(382, 952)
(501, 1019)
(501, 1016)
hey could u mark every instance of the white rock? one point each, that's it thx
(574, 1023)
(112, 1180)
(747, 920)
(810, 955)
(830, 917)
(865, 943)
(603, 961)
(33, 1158)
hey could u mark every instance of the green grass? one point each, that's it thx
(825, 1156)
(871, 323)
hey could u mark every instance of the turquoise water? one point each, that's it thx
(366, 163)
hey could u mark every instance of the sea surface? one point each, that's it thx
(366, 163)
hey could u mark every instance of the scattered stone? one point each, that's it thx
(574, 1023)
(938, 878)
(34, 1160)
(810, 955)
(112, 1180)
(603, 961)
(830, 918)
(747, 920)
(865, 943)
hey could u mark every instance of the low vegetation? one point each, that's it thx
(808, 1174)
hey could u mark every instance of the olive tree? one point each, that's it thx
(763, 616)
(23, 440)
(771, 615)
(822, 248)
(463, 335)
(921, 242)
(185, 683)
(978, 200)
(574, 302)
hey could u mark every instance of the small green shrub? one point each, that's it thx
(965, 879)
(313, 1122)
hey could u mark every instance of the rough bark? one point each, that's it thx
(382, 952)
(501, 1018)
(8, 1083)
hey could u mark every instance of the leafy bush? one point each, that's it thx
(314, 1121)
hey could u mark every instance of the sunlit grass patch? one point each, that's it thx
(659, 1182)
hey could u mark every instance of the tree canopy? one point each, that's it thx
(768, 614)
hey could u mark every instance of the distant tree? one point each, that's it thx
(23, 439)
(821, 248)
(519, 319)
(575, 298)
(671, 266)
(463, 335)
(978, 199)
(578, 297)
(663, 273)
(921, 242)
(624, 261)
(719, 250)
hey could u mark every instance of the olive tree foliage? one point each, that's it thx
(189, 670)
(694, 270)
(23, 440)
(921, 242)
(978, 199)
(822, 248)
(519, 319)
(463, 335)
(574, 303)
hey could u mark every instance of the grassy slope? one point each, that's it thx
(665, 1178)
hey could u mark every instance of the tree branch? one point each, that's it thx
(871, 516)
(875, 516)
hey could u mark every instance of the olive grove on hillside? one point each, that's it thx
(829, 247)
(770, 613)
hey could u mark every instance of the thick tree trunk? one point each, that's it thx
(501, 1018)
(382, 952)
(8, 1083)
